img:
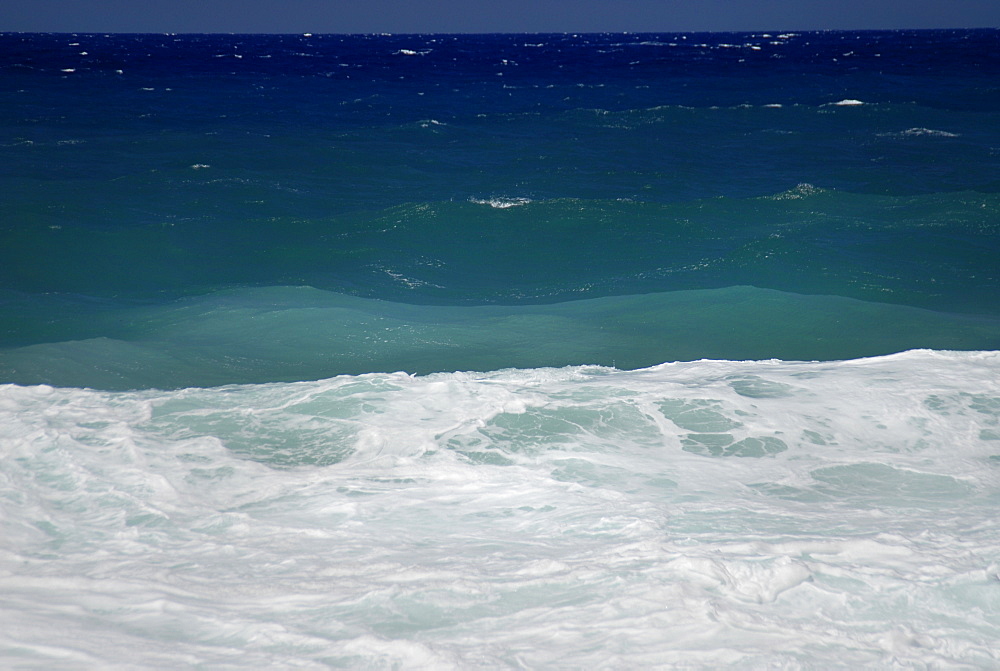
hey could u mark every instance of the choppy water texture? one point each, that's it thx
(733, 301)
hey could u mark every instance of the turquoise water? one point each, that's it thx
(154, 180)
(287, 333)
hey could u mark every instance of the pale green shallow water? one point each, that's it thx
(294, 333)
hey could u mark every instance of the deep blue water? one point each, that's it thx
(152, 182)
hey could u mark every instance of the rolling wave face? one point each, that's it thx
(289, 333)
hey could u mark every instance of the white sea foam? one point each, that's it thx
(847, 102)
(754, 514)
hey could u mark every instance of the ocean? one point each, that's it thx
(547, 351)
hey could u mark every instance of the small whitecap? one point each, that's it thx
(847, 102)
(68, 70)
(802, 190)
(500, 203)
(926, 132)
(200, 166)
(919, 132)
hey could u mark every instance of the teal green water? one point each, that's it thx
(210, 209)
(289, 333)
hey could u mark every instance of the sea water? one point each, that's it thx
(516, 351)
